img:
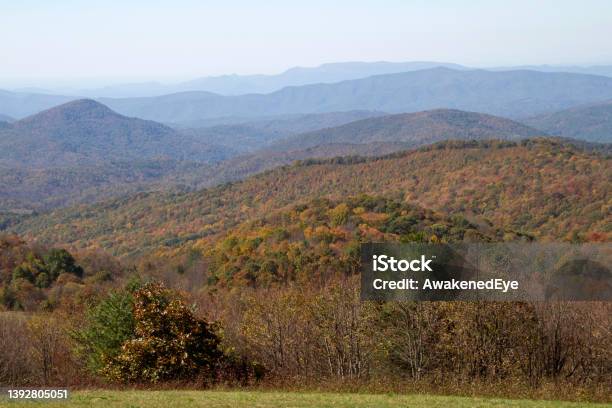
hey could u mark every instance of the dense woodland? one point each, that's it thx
(277, 303)
(543, 188)
(264, 273)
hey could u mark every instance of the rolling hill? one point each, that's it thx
(505, 93)
(84, 132)
(264, 146)
(250, 136)
(82, 152)
(310, 122)
(540, 187)
(374, 136)
(592, 122)
(414, 129)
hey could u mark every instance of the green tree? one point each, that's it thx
(60, 261)
(109, 324)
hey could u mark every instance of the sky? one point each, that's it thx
(137, 40)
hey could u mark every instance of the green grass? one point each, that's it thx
(261, 399)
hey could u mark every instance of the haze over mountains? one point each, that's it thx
(603, 70)
(253, 135)
(19, 104)
(591, 122)
(517, 93)
(84, 151)
(245, 84)
(327, 73)
(508, 93)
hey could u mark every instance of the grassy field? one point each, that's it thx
(258, 399)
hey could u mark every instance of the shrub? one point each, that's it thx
(169, 342)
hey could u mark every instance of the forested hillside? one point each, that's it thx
(82, 152)
(315, 242)
(273, 262)
(414, 129)
(539, 187)
(240, 167)
(84, 132)
(37, 277)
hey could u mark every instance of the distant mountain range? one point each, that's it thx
(297, 76)
(505, 93)
(591, 122)
(83, 150)
(85, 132)
(508, 93)
(246, 84)
(18, 104)
(603, 70)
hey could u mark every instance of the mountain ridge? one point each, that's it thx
(237, 84)
(516, 93)
(234, 84)
(505, 93)
(414, 129)
(534, 186)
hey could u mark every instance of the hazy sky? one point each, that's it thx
(155, 39)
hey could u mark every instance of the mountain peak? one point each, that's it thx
(78, 110)
(86, 131)
(83, 104)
